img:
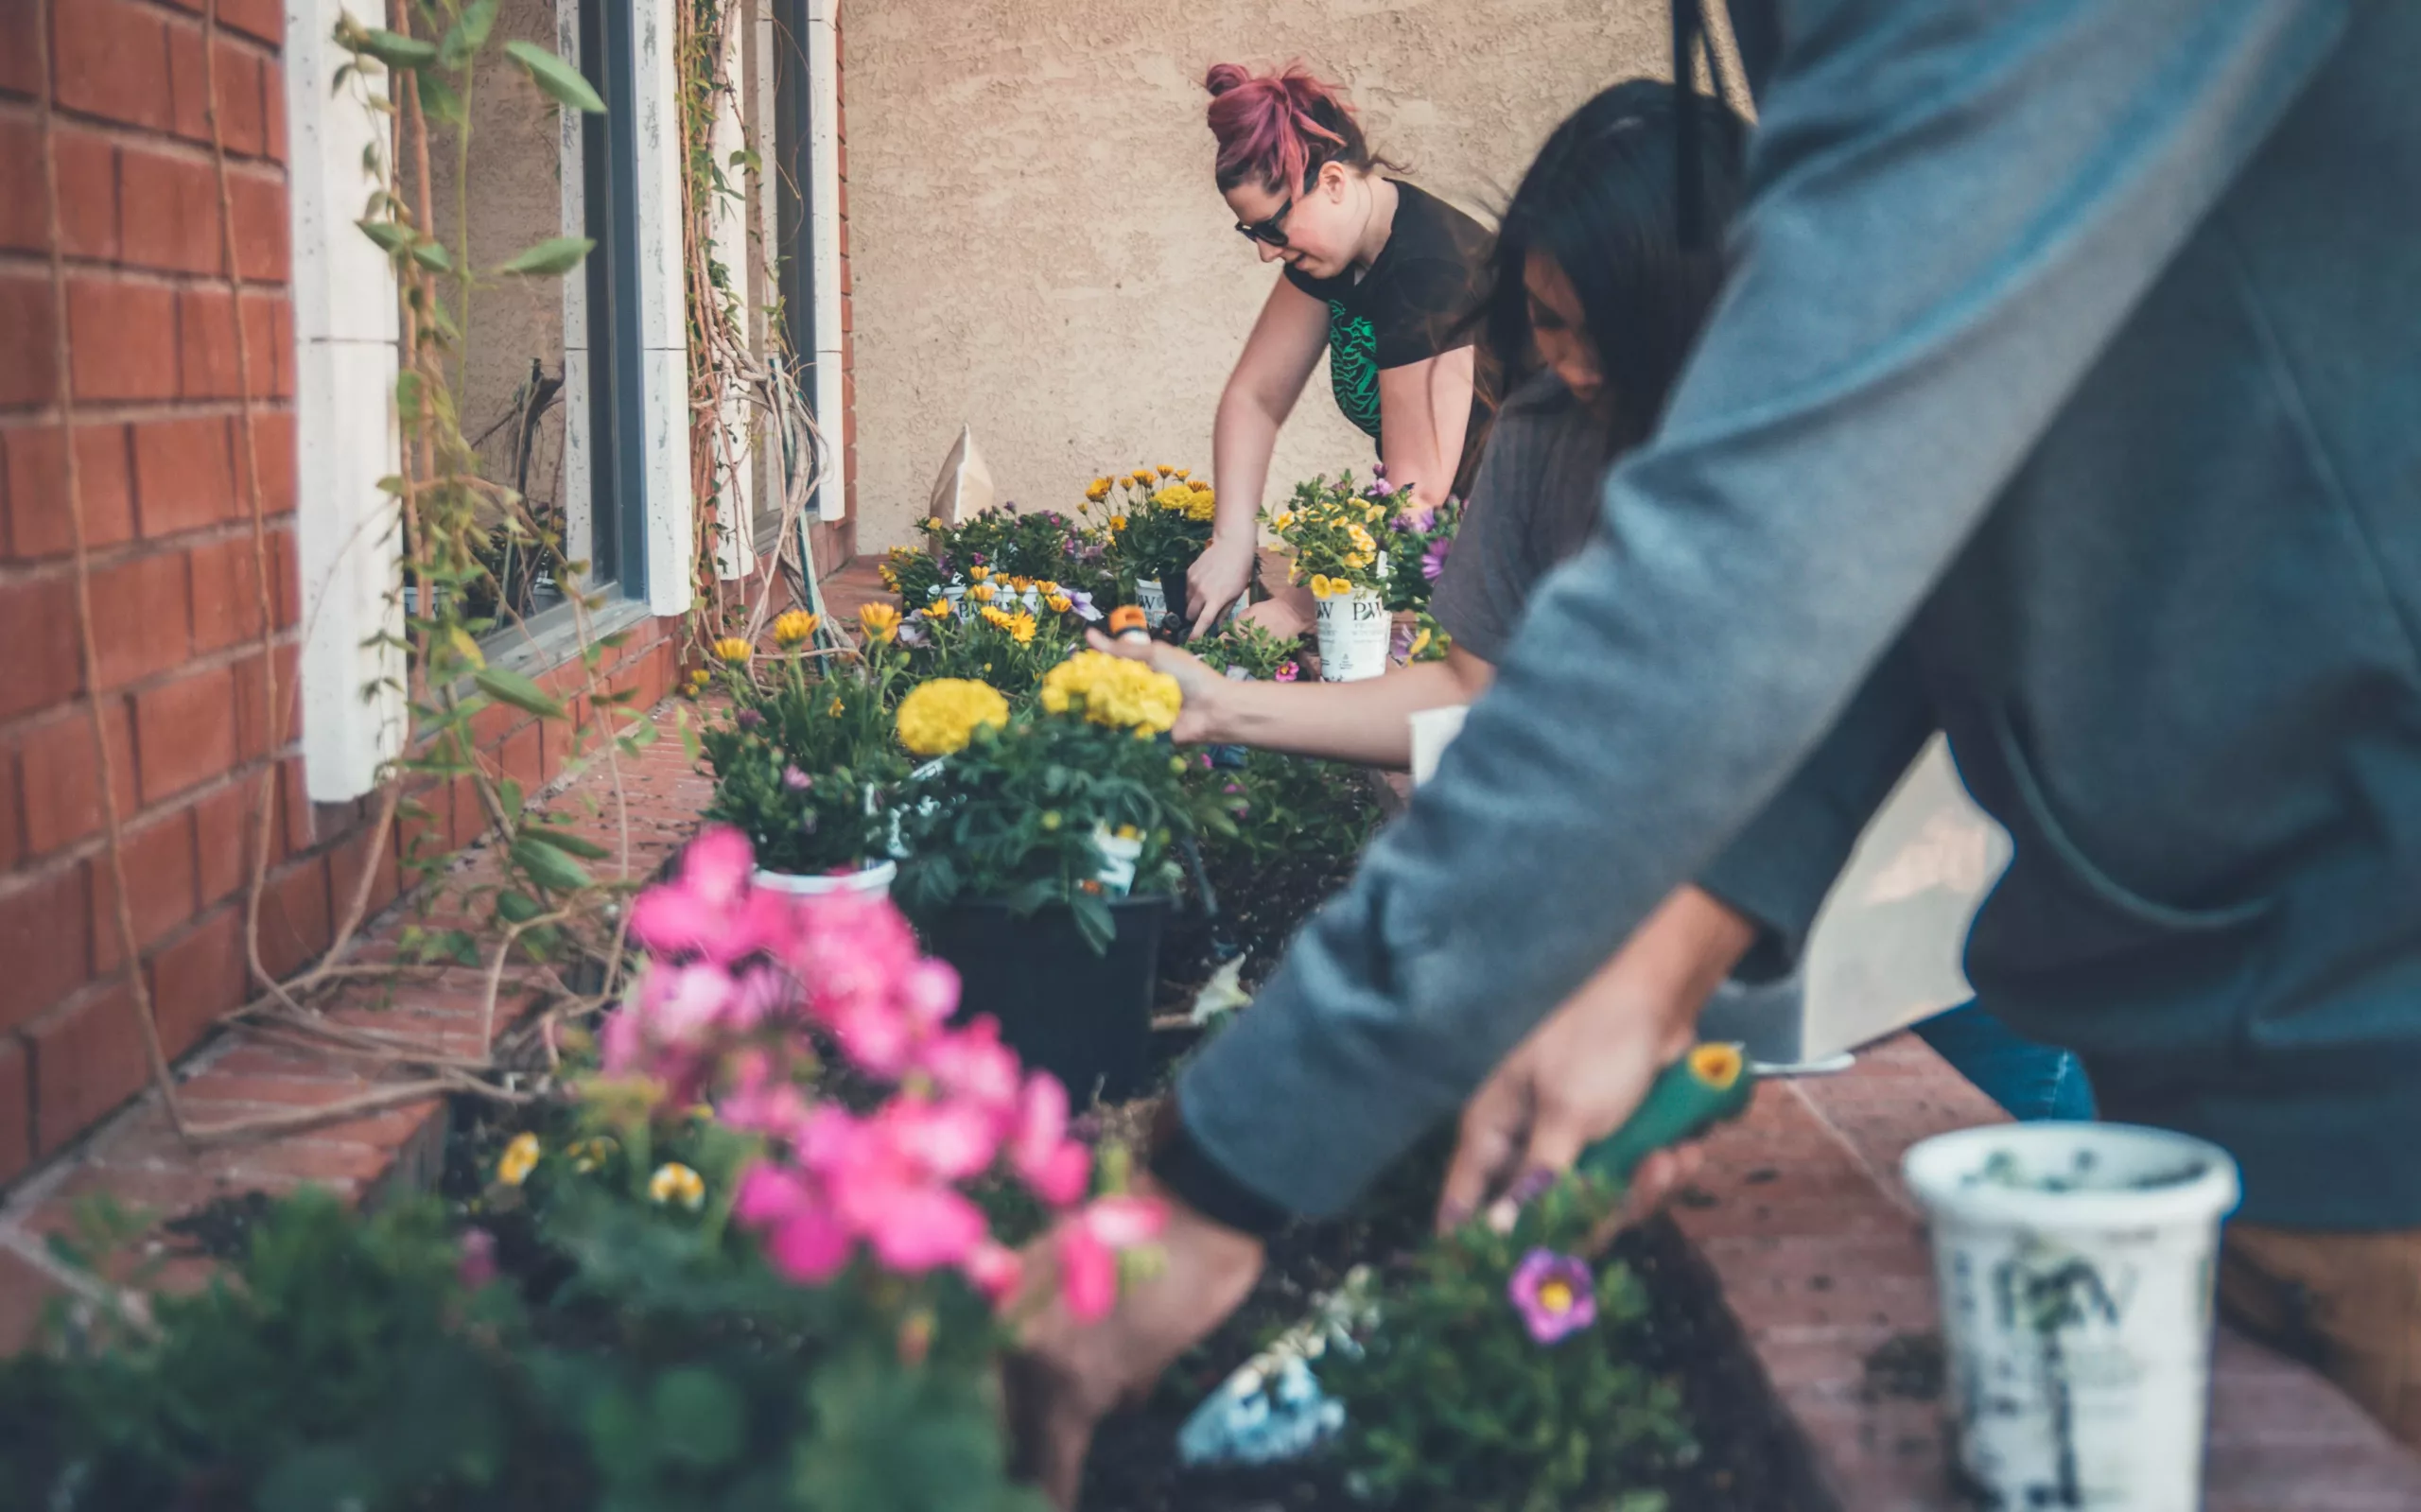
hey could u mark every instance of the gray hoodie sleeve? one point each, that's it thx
(1953, 207)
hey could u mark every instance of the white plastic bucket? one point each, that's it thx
(873, 882)
(1355, 629)
(2076, 1263)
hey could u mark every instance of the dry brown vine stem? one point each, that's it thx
(130, 944)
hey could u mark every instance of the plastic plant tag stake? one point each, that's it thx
(1118, 857)
(1432, 730)
(1355, 629)
(1152, 600)
(1272, 1408)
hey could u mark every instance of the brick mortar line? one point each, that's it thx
(87, 269)
(139, 411)
(141, 548)
(151, 138)
(225, 657)
(1887, 1185)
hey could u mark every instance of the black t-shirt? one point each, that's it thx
(1415, 302)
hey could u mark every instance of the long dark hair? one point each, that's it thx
(1601, 200)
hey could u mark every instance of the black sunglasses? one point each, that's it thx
(1270, 232)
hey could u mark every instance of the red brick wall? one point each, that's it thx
(181, 679)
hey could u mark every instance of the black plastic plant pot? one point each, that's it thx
(1086, 1019)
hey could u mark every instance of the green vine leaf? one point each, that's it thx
(469, 34)
(557, 77)
(396, 51)
(549, 867)
(432, 255)
(508, 686)
(549, 258)
(391, 237)
(580, 846)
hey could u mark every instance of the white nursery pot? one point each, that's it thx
(870, 881)
(1355, 629)
(2077, 1320)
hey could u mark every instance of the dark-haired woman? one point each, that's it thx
(1379, 274)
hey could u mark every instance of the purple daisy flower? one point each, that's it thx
(1555, 1293)
(1082, 603)
(911, 635)
(1433, 562)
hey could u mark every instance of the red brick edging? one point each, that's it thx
(1823, 1261)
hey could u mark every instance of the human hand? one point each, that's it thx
(1285, 614)
(1585, 1069)
(1198, 719)
(1217, 578)
(1066, 1376)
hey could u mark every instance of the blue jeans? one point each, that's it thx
(2028, 1080)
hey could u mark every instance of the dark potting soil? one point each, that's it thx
(1748, 1460)
(222, 1229)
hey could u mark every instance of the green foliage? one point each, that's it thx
(807, 768)
(1158, 523)
(1014, 817)
(987, 649)
(1244, 644)
(1290, 807)
(638, 1357)
(1453, 1404)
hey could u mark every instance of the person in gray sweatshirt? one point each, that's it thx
(2064, 396)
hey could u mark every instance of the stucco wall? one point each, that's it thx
(1038, 251)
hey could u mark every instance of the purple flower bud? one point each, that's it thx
(749, 719)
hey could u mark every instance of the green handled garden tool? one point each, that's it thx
(1272, 1407)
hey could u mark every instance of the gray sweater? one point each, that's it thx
(2066, 396)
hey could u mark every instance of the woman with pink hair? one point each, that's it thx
(1380, 274)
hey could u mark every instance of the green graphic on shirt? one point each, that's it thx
(1354, 367)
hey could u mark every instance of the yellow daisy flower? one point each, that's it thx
(733, 650)
(981, 592)
(675, 1182)
(1097, 490)
(879, 621)
(794, 628)
(938, 609)
(521, 1158)
(940, 717)
(978, 574)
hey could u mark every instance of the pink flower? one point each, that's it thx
(954, 1141)
(1088, 1246)
(921, 1228)
(476, 1267)
(678, 1006)
(1053, 1165)
(995, 1271)
(1555, 1293)
(711, 910)
(1288, 672)
(973, 1064)
(804, 1239)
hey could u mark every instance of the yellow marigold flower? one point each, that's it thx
(981, 592)
(879, 621)
(1117, 522)
(940, 717)
(938, 609)
(795, 627)
(1097, 490)
(733, 650)
(1203, 506)
(1114, 691)
(675, 1182)
(1059, 602)
(521, 1158)
(698, 677)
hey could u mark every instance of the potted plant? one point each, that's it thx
(1041, 857)
(1158, 521)
(1366, 551)
(1002, 632)
(806, 766)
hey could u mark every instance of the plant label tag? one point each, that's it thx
(1152, 600)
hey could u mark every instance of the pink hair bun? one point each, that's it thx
(1274, 128)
